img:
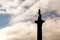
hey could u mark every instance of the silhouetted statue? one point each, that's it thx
(39, 25)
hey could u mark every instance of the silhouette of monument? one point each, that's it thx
(39, 25)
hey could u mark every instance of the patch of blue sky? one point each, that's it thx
(4, 20)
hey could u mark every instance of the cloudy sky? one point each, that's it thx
(16, 13)
(17, 19)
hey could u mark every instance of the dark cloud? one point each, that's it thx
(50, 14)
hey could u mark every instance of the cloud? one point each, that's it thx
(50, 14)
(51, 29)
(21, 31)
